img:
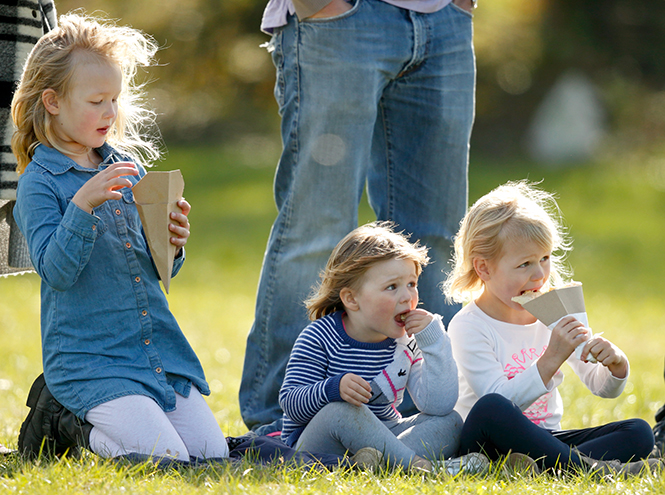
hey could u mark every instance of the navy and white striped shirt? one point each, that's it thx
(324, 353)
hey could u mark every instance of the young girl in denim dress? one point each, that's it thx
(113, 353)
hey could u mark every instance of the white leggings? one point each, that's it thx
(136, 424)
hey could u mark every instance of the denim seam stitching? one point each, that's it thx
(287, 209)
(389, 161)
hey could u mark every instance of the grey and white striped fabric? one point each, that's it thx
(22, 23)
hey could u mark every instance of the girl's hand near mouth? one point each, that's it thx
(416, 320)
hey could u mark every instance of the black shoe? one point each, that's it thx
(50, 428)
(659, 436)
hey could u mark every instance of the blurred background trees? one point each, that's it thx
(602, 59)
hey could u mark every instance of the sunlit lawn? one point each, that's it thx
(615, 213)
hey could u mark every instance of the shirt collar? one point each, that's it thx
(56, 163)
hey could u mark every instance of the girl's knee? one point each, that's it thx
(641, 436)
(452, 423)
(344, 410)
(492, 405)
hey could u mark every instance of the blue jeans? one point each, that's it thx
(495, 426)
(380, 97)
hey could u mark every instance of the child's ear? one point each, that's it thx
(482, 269)
(348, 299)
(50, 101)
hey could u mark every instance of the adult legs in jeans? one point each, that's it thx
(341, 427)
(378, 96)
(496, 426)
(135, 424)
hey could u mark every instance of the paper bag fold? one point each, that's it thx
(156, 196)
(552, 306)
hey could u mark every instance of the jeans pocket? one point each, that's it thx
(325, 20)
(461, 10)
(277, 54)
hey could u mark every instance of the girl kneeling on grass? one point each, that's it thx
(113, 353)
(509, 362)
(369, 341)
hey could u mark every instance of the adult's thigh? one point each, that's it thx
(418, 176)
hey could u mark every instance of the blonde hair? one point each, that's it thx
(353, 256)
(51, 65)
(512, 212)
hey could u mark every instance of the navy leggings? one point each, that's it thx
(495, 426)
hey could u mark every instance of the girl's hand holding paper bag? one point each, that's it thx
(608, 355)
(564, 312)
(553, 306)
(158, 198)
(181, 227)
(566, 336)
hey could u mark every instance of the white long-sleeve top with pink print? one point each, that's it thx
(497, 357)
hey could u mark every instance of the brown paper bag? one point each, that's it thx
(552, 306)
(156, 195)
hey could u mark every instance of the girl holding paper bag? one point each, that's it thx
(119, 375)
(508, 245)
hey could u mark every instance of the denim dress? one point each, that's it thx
(107, 330)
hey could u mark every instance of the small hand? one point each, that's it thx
(333, 9)
(104, 186)
(416, 320)
(181, 227)
(355, 390)
(566, 336)
(607, 354)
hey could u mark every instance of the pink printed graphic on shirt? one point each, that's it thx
(413, 361)
(537, 412)
(394, 389)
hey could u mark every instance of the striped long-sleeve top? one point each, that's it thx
(22, 23)
(324, 353)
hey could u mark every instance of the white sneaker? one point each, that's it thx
(473, 463)
(5, 451)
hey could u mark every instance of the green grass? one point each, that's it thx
(615, 213)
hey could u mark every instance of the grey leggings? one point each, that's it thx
(340, 427)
